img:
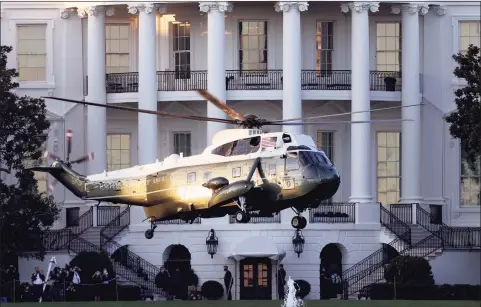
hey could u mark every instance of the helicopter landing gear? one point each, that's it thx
(242, 216)
(298, 221)
(149, 234)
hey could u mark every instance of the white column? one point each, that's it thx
(215, 61)
(147, 123)
(361, 101)
(291, 61)
(96, 117)
(411, 130)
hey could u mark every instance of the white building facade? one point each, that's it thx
(278, 60)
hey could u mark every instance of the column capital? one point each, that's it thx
(67, 12)
(147, 7)
(95, 10)
(360, 7)
(440, 10)
(285, 6)
(221, 6)
(411, 8)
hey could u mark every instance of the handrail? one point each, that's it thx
(394, 224)
(115, 226)
(375, 273)
(455, 237)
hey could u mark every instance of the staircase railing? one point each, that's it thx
(132, 266)
(454, 237)
(55, 240)
(394, 224)
(375, 272)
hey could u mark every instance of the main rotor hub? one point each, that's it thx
(252, 121)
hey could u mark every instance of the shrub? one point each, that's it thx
(407, 269)
(212, 290)
(89, 262)
(385, 291)
(303, 288)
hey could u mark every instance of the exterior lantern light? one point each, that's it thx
(298, 242)
(211, 243)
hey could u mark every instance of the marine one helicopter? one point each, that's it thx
(242, 172)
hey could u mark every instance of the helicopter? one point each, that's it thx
(244, 172)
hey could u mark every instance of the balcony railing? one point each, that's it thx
(250, 80)
(197, 220)
(333, 213)
(254, 219)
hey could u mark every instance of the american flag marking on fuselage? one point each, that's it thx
(268, 142)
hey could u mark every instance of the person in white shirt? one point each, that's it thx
(38, 279)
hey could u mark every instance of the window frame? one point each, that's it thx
(376, 161)
(173, 142)
(130, 148)
(468, 207)
(130, 40)
(239, 44)
(455, 21)
(399, 51)
(49, 82)
(318, 71)
(189, 180)
(178, 74)
(234, 174)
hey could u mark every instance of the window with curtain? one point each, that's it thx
(469, 32)
(32, 52)
(181, 45)
(388, 167)
(388, 46)
(470, 187)
(253, 45)
(118, 151)
(117, 48)
(324, 45)
(325, 142)
(182, 143)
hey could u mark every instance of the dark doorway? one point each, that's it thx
(330, 271)
(255, 279)
(179, 258)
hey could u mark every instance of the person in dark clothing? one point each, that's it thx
(38, 279)
(97, 285)
(281, 281)
(228, 282)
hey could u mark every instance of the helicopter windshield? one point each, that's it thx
(238, 147)
(313, 158)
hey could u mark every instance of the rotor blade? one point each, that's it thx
(192, 117)
(87, 157)
(50, 155)
(338, 122)
(346, 113)
(221, 105)
(69, 143)
(51, 186)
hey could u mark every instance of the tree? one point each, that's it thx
(465, 122)
(25, 215)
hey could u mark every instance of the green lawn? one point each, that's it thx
(221, 303)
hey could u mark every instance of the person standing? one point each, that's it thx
(38, 279)
(281, 281)
(228, 282)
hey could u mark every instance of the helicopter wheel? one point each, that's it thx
(149, 234)
(242, 217)
(299, 222)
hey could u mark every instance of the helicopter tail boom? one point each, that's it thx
(69, 178)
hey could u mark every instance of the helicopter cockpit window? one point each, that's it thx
(305, 158)
(238, 147)
(292, 161)
(191, 177)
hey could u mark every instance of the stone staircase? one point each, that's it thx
(92, 235)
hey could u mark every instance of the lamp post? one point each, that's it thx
(211, 243)
(298, 242)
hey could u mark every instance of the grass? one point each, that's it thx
(221, 303)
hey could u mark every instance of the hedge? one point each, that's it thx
(385, 291)
(212, 290)
(303, 288)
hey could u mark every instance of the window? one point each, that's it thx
(324, 45)
(181, 45)
(117, 49)
(191, 177)
(240, 147)
(253, 45)
(72, 215)
(388, 50)
(182, 143)
(118, 151)
(32, 52)
(272, 169)
(470, 188)
(325, 142)
(388, 167)
(469, 32)
(292, 161)
(207, 175)
(236, 172)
